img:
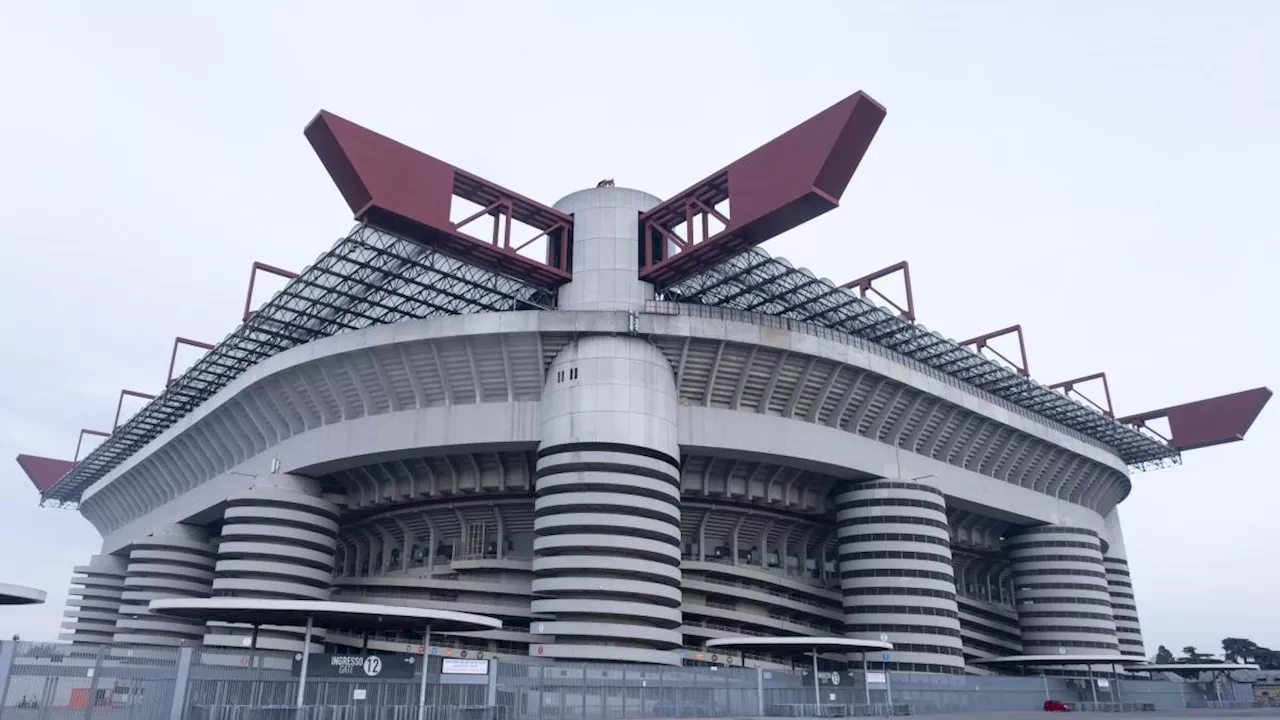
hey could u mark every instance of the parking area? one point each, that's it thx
(1157, 715)
(1041, 715)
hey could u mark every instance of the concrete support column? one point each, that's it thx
(896, 574)
(607, 513)
(1060, 589)
(93, 602)
(278, 541)
(173, 562)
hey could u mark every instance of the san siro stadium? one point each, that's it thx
(623, 429)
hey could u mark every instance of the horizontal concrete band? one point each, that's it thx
(515, 338)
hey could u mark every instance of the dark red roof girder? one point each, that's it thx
(42, 471)
(786, 182)
(1205, 423)
(396, 188)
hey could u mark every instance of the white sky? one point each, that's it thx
(1103, 173)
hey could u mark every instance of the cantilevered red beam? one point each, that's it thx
(1069, 386)
(983, 342)
(1205, 423)
(396, 188)
(794, 178)
(43, 472)
(866, 284)
(253, 276)
(120, 404)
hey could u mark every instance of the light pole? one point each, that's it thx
(422, 689)
(817, 694)
(306, 654)
(866, 686)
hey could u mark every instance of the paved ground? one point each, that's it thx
(1160, 715)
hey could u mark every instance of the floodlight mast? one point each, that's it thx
(865, 285)
(253, 277)
(115, 424)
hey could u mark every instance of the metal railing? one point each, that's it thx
(1220, 704)
(85, 682)
(809, 576)
(1113, 707)
(839, 710)
(772, 591)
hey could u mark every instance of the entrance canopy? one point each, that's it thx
(349, 616)
(1192, 667)
(815, 646)
(1059, 660)
(786, 645)
(1191, 671)
(20, 595)
(1127, 661)
(355, 617)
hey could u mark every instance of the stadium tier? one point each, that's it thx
(622, 428)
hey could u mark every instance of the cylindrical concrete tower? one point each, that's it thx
(896, 574)
(278, 541)
(607, 515)
(606, 249)
(1119, 583)
(1123, 606)
(1060, 586)
(174, 562)
(93, 603)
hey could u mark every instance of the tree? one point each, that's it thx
(1240, 650)
(1164, 656)
(1191, 655)
(1245, 650)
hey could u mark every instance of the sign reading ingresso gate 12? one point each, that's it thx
(357, 667)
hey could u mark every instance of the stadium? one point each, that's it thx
(619, 426)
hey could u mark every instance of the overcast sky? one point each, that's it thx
(1105, 174)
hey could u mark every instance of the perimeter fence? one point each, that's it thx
(45, 681)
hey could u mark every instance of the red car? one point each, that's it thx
(1056, 706)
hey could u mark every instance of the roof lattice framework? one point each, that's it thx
(369, 277)
(754, 281)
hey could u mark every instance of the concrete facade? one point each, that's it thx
(619, 482)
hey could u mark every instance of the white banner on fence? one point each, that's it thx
(458, 666)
